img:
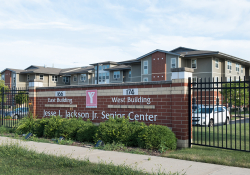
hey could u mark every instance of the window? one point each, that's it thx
(100, 67)
(237, 67)
(54, 78)
(194, 63)
(95, 67)
(145, 79)
(228, 79)
(66, 79)
(129, 74)
(41, 77)
(145, 67)
(103, 77)
(100, 77)
(173, 62)
(75, 78)
(83, 77)
(116, 74)
(229, 65)
(242, 69)
(217, 63)
(107, 75)
(107, 66)
(236, 78)
(28, 77)
(2, 77)
(14, 78)
(216, 79)
(194, 80)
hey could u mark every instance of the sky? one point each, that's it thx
(74, 33)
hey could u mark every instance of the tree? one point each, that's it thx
(6, 89)
(22, 97)
(239, 96)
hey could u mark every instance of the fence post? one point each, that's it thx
(189, 113)
(2, 103)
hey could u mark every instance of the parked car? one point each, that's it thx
(210, 116)
(18, 113)
(195, 107)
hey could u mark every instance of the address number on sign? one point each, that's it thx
(130, 91)
(60, 93)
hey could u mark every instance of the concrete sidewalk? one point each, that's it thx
(144, 162)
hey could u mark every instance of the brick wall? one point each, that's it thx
(158, 66)
(8, 78)
(162, 103)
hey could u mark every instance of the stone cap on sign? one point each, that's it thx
(109, 85)
(182, 69)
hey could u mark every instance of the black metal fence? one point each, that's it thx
(14, 105)
(219, 113)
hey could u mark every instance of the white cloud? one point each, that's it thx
(21, 54)
(64, 32)
(237, 48)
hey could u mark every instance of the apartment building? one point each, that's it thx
(153, 66)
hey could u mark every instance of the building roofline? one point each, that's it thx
(105, 62)
(234, 58)
(201, 54)
(12, 70)
(129, 61)
(157, 50)
(182, 48)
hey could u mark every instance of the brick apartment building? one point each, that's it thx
(153, 66)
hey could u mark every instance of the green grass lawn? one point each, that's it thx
(226, 136)
(212, 155)
(242, 113)
(17, 160)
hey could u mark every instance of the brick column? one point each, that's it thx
(32, 94)
(32, 100)
(180, 105)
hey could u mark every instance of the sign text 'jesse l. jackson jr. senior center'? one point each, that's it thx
(91, 102)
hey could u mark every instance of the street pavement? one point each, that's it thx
(242, 120)
(144, 162)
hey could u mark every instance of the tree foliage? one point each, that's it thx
(236, 95)
(6, 88)
(22, 97)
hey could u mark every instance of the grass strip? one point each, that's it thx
(212, 155)
(18, 160)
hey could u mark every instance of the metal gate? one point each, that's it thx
(219, 113)
(14, 105)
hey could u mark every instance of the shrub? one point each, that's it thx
(86, 132)
(3, 129)
(39, 126)
(119, 130)
(8, 117)
(51, 129)
(157, 137)
(26, 124)
(69, 127)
